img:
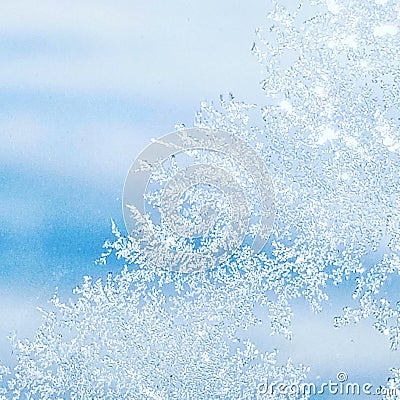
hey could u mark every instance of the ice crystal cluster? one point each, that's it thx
(332, 128)
(393, 385)
(125, 339)
(210, 191)
(329, 136)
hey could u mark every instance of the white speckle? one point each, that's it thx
(320, 90)
(345, 176)
(328, 134)
(388, 141)
(394, 148)
(387, 29)
(171, 241)
(350, 41)
(285, 105)
(332, 6)
(350, 141)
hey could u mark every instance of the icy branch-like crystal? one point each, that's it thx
(235, 182)
(330, 140)
(333, 135)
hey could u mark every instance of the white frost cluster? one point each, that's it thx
(207, 192)
(332, 120)
(393, 385)
(329, 134)
(127, 339)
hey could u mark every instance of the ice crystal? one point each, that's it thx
(333, 140)
(125, 338)
(330, 139)
(222, 197)
(392, 390)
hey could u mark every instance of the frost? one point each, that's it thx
(367, 293)
(125, 338)
(329, 135)
(393, 386)
(335, 156)
(209, 189)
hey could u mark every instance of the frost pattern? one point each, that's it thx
(125, 338)
(209, 190)
(393, 385)
(332, 128)
(330, 138)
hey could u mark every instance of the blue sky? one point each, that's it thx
(83, 88)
